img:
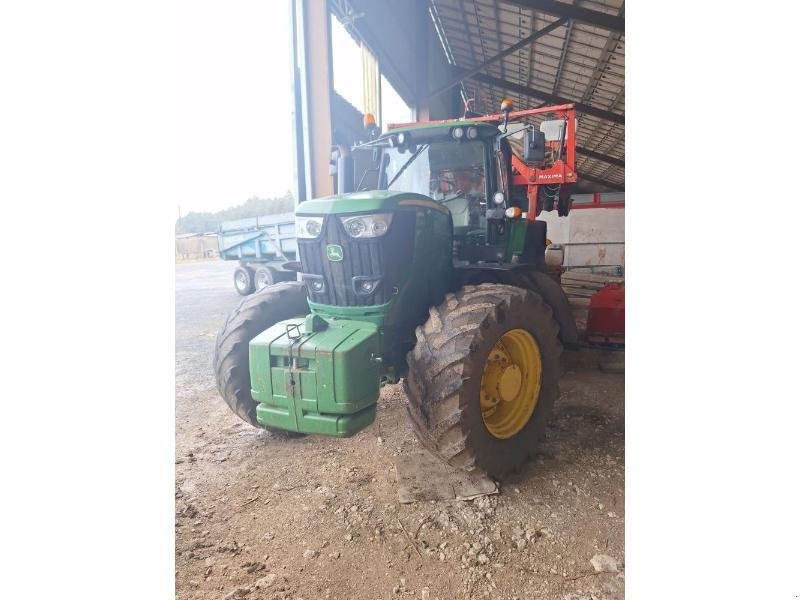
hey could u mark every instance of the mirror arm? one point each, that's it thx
(563, 138)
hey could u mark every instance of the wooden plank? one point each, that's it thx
(578, 302)
(587, 285)
(422, 477)
(591, 277)
(574, 291)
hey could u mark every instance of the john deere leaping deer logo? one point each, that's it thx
(334, 252)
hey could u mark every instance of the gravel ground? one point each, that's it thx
(260, 517)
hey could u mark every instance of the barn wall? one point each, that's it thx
(596, 227)
(196, 247)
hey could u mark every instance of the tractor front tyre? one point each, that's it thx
(483, 377)
(254, 314)
(243, 280)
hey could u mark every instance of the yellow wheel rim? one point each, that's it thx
(512, 377)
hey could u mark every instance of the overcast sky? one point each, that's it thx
(234, 102)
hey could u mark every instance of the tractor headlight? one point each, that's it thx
(367, 226)
(315, 283)
(308, 227)
(364, 286)
(472, 133)
(457, 133)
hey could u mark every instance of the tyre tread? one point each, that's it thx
(440, 363)
(252, 315)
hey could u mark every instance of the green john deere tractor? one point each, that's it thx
(436, 277)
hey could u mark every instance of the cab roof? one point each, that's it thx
(423, 125)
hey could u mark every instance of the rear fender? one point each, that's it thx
(537, 281)
(554, 295)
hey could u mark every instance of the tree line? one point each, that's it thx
(204, 222)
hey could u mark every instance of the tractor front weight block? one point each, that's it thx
(313, 377)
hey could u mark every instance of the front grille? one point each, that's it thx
(386, 257)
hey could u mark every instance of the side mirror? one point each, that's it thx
(532, 146)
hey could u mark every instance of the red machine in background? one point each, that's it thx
(538, 184)
(545, 182)
(606, 321)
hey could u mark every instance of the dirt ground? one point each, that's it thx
(260, 517)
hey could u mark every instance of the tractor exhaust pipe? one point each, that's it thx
(344, 171)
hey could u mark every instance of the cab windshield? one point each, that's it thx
(451, 173)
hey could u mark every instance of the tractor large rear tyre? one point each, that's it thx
(254, 314)
(446, 370)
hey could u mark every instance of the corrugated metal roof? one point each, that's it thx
(579, 61)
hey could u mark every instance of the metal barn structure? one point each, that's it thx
(442, 56)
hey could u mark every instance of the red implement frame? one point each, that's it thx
(595, 203)
(562, 171)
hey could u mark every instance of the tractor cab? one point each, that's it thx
(493, 174)
(452, 165)
(466, 168)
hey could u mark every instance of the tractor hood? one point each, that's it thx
(369, 201)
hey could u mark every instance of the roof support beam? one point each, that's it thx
(581, 15)
(499, 38)
(531, 48)
(463, 15)
(421, 108)
(563, 58)
(602, 62)
(548, 97)
(617, 162)
(617, 99)
(467, 73)
(603, 174)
